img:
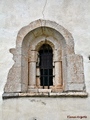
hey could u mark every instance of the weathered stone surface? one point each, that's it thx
(32, 56)
(45, 94)
(70, 94)
(14, 80)
(32, 73)
(75, 69)
(58, 73)
(24, 78)
(76, 87)
(44, 90)
(33, 90)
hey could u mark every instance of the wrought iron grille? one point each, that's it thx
(46, 65)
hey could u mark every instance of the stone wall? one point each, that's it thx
(72, 15)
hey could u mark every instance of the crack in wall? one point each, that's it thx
(44, 9)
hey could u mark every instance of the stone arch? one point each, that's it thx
(28, 39)
(47, 42)
(46, 23)
(34, 44)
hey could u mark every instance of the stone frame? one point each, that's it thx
(34, 47)
(73, 73)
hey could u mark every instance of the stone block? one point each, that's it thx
(14, 80)
(37, 81)
(76, 87)
(44, 90)
(38, 71)
(38, 32)
(32, 56)
(33, 90)
(75, 73)
(58, 73)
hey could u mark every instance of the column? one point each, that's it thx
(32, 74)
(32, 69)
(58, 73)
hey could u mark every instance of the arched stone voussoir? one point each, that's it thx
(45, 23)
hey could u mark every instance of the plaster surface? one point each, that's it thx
(72, 15)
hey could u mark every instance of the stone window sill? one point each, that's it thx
(43, 94)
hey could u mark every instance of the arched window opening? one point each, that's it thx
(54, 65)
(46, 65)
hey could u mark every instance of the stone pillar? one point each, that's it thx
(38, 77)
(32, 74)
(32, 69)
(58, 73)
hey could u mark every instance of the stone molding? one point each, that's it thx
(42, 94)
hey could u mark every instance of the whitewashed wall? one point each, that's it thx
(74, 15)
